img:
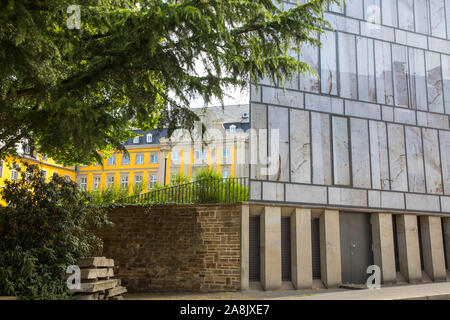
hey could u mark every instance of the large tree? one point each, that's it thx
(132, 63)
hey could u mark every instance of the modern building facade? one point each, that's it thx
(351, 168)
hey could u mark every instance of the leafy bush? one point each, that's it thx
(178, 179)
(208, 187)
(46, 227)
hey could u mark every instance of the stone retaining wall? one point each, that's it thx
(175, 248)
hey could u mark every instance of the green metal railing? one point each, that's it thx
(226, 190)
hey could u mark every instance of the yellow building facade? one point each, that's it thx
(153, 158)
(121, 170)
(11, 169)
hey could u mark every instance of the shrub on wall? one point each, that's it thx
(46, 227)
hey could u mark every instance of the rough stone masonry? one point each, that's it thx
(175, 248)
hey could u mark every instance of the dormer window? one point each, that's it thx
(136, 140)
(232, 128)
(149, 138)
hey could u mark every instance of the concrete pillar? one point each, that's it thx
(330, 249)
(408, 248)
(383, 245)
(301, 249)
(162, 155)
(245, 243)
(446, 222)
(271, 248)
(433, 248)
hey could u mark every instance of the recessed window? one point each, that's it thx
(83, 183)
(112, 160)
(225, 153)
(110, 182)
(96, 183)
(138, 179)
(136, 140)
(152, 181)
(149, 138)
(125, 159)
(153, 158)
(232, 128)
(200, 154)
(176, 155)
(15, 172)
(139, 159)
(124, 181)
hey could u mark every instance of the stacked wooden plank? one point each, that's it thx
(97, 280)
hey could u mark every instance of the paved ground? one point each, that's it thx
(429, 291)
(432, 291)
(245, 295)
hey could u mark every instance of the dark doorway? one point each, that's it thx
(397, 259)
(315, 244)
(419, 230)
(254, 249)
(445, 245)
(356, 247)
(286, 248)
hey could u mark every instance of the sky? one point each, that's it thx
(237, 96)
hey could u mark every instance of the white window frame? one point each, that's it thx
(124, 156)
(136, 140)
(15, 171)
(124, 178)
(138, 156)
(226, 153)
(112, 163)
(96, 182)
(153, 156)
(201, 155)
(141, 180)
(83, 183)
(152, 179)
(110, 181)
(176, 155)
(149, 138)
(233, 128)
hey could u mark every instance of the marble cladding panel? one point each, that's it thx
(321, 148)
(414, 157)
(341, 159)
(278, 148)
(300, 139)
(370, 126)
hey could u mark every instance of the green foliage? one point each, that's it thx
(208, 187)
(205, 173)
(71, 93)
(109, 194)
(178, 179)
(46, 227)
